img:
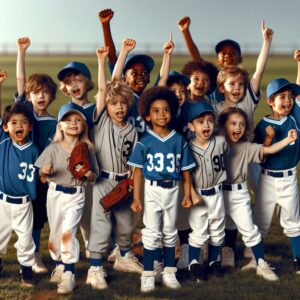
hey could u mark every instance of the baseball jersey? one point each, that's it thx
(88, 111)
(247, 104)
(288, 157)
(58, 157)
(43, 128)
(162, 158)
(237, 159)
(113, 144)
(17, 172)
(210, 169)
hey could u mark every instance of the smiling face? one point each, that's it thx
(179, 90)
(233, 89)
(228, 56)
(137, 77)
(72, 124)
(200, 84)
(281, 104)
(235, 127)
(76, 86)
(40, 100)
(117, 109)
(159, 114)
(203, 126)
(18, 127)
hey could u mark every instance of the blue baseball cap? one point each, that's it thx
(173, 75)
(69, 108)
(74, 66)
(232, 43)
(199, 108)
(132, 59)
(278, 84)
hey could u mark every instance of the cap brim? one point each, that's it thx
(292, 86)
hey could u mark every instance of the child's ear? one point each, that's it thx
(241, 59)
(5, 128)
(30, 127)
(148, 119)
(270, 102)
(191, 126)
(221, 89)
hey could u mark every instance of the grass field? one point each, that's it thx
(234, 285)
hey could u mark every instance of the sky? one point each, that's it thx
(59, 23)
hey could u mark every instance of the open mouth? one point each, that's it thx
(206, 133)
(75, 91)
(19, 133)
(41, 102)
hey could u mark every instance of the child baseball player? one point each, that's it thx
(162, 157)
(114, 140)
(17, 186)
(207, 220)
(278, 182)
(66, 195)
(38, 92)
(234, 125)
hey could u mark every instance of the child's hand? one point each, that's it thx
(169, 45)
(292, 135)
(128, 44)
(267, 33)
(23, 43)
(297, 55)
(184, 23)
(3, 76)
(102, 53)
(270, 131)
(105, 15)
(136, 205)
(197, 199)
(90, 176)
(47, 169)
(186, 202)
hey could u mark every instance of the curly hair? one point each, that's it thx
(204, 67)
(39, 81)
(157, 93)
(17, 108)
(232, 71)
(224, 116)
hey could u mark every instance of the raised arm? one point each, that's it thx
(262, 59)
(3, 76)
(291, 137)
(184, 26)
(127, 46)
(297, 58)
(105, 16)
(165, 65)
(23, 44)
(101, 53)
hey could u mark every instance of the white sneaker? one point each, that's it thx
(158, 269)
(57, 273)
(147, 281)
(227, 258)
(169, 278)
(113, 254)
(248, 252)
(39, 267)
(264, 270)
(252, 265)
(204, 253)
(96, 278)
(67, 283)
(183, 260)
(128, 263)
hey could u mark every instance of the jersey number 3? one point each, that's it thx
(26, 168)
(156, 162)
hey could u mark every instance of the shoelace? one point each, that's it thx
(99, 273)
(132, 257)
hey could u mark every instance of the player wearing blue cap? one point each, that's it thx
(162, 157)
(278, 182)
(37, 92)
(207, 220)
(17, 186)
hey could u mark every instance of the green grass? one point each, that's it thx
(234, 285)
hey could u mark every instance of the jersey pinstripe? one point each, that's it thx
(114, 144)
(210, 169)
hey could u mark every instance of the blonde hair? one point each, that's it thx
(83, 137)
(232, 71)
(63, 85)
(119, 88)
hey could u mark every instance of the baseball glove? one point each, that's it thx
(79, 157)
(120, 193)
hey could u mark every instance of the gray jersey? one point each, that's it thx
(210, 169)
(238, 158)
(113, 144)
(58, 157)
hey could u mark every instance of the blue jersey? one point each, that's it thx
(43, 128)
(88, 111)
(288, 157)
(162, 158)
(17, 172)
